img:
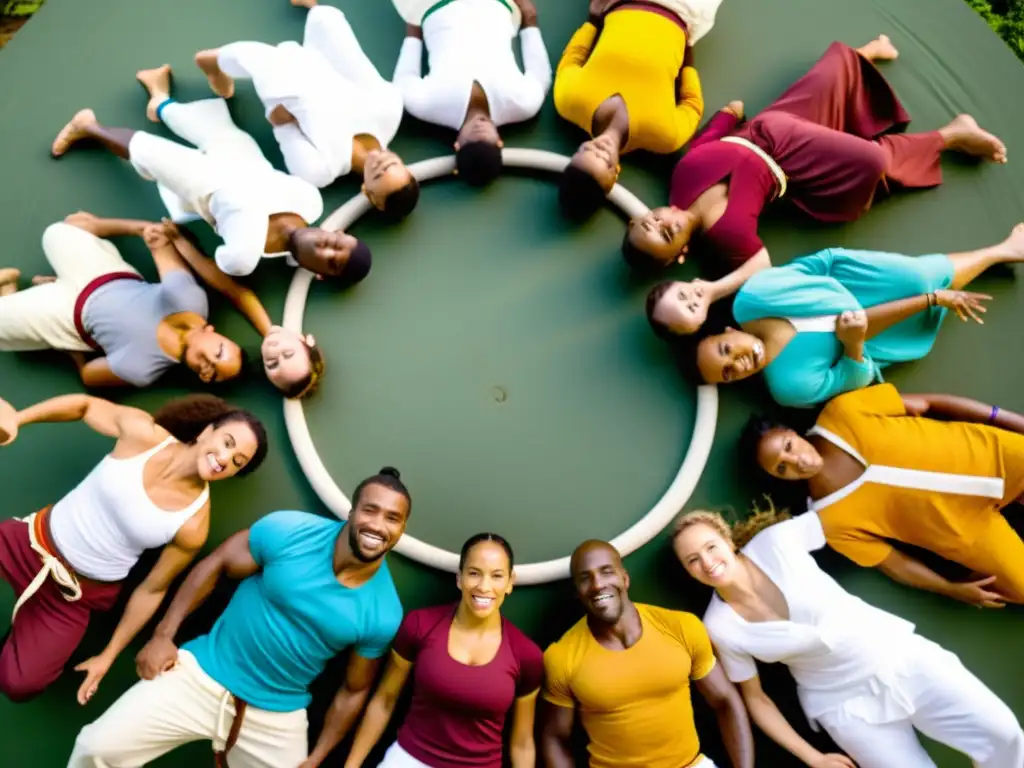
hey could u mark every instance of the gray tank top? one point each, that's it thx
(122, 317)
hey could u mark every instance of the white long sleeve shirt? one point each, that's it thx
(470, 41)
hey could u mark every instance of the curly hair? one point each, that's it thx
(186, 418)
(741, 532)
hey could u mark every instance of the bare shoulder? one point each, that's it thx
(138, 432)
(194, 533)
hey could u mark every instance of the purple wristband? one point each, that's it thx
(995, 412)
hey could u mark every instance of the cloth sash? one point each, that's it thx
(220, 756)
(777, 172)
(52, 565)
(416, 11)
(87, 292)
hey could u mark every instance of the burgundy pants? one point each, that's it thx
(837, 134)
(48, 628)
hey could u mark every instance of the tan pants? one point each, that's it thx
(43, 316)
(184, 705)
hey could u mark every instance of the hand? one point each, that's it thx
(974, 593)
(529, 11)
(964, 303)
(734, 108)
(8, 423)
(833, 760)
(95, 670)
(170, 229)
(158, 656)
(79, 218)
(852, 327)
(155, 236)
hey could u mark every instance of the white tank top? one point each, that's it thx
(103, 526)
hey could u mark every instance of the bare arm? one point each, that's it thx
(556, 732)
(728, 285)
(523, 750)
(103, 416)
(348, 702)
(770, 720)
(96, 373)
(146, 599)
(165, 255)
(379, 711)
(956, 408)
(243, 298)
(913, 573)
(722, 696)
(966, 304)
(106, 227)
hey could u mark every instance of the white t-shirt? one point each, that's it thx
(840, 650)
(471, 42)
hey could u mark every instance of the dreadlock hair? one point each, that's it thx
(390, 478)
(402, 201)
(579, 194)
(480, 538)
(186, 418)
(478, 163)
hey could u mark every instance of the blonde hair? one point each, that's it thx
(740, 532)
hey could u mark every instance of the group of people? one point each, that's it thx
(881, 468)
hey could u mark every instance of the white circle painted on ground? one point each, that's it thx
(627, 542)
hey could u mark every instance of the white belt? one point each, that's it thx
(51, 567)
(769, 161)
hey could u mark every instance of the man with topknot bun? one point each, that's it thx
(311, 587)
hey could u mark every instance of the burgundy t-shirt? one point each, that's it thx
(458, 712)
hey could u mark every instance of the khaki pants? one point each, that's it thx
(184, 705)
(43, 316)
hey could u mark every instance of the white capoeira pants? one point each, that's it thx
(43, 316)
(413, 11)
(396, 757)
(332, 69)
(951, 706)
(188, 176)
(184, 705)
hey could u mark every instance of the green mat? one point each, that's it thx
(490, 292)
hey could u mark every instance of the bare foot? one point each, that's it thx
(220, 83)
(1014, 244)
(965, 135)
(43, 279)
(9, 280)
(304, 3)
(76, 130)
(879, 49)
(157, 82)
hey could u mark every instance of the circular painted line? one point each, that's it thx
(627, 542)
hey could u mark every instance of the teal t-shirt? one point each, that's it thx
(287, 621)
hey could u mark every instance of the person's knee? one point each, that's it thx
(18, 686)
(91, 743)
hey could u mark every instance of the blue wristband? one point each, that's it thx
(995, 412)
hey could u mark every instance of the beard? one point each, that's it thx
(357, 552)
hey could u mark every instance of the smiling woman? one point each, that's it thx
(65, 563)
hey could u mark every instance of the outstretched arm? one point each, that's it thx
(954, 408)
(722, 696)
(243, 298)
(106, 227)
(146, 599)
(721, 124)
(690, 108)
(346, 706)
(728, 285)
(906, 570)
(103, 416)
(96, 373)
(379, 711)
(556, 731)
(883, 316)
(769, 719)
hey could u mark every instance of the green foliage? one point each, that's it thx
(1007, 20)
(15, 8)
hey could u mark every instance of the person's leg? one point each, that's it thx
(40, 317)
(246, 60)
(875, 746)
(997, 550)
(329, 34)
(270, 739)
(150, 719)
(9, 277)
(83, 126)
(956, 709)
(78, 257)
(967, 265)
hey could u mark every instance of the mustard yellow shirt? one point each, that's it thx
(634, 704)
(860, 520)
(638, 56)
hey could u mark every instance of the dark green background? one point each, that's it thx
(491, 289)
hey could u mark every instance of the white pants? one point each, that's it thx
(396, 757)
(698, 15)
(952, 706)
(412, 11)
(43, 316)
(332, 75)
(184, 705)
(187, 176)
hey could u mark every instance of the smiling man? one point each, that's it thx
(331, 110)
(311, 588)
(627, 668)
